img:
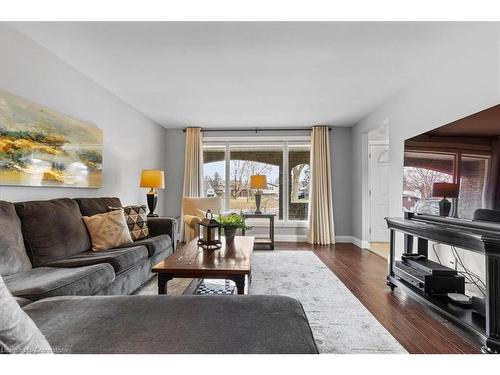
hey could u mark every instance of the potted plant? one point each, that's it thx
(230, 224)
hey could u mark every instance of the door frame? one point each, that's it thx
(369, 202)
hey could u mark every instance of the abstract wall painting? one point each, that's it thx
(42, 147)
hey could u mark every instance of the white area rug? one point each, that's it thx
(340, 323)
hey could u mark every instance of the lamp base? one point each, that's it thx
(444, 207)
(152, 200)
(258, 197)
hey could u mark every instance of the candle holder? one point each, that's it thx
(209, 231)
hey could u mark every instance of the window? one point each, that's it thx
(473, 174)
(287, 194)
(298, 181)
(214, 167)
(422, 169)
(251, 159)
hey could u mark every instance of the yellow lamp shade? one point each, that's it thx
(151, 178)
(258, 181)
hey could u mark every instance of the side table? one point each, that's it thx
(262, 241)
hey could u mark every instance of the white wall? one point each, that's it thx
(466, 83)
(132, 142)
(340, 141)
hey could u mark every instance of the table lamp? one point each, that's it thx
(258, 181)
(152, 179)
(444, 190)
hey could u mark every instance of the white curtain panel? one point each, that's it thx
(193, 163)
(321, 226)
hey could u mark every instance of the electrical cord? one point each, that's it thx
(456, 254)
(469, 275)
(435, 253)
(470, 280)
(472, 274)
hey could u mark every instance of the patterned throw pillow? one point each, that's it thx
(136, 219)
(108, 230)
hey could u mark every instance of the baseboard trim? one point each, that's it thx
(354, 240)
(290, 238)
(344, 239)
(360, 243)
(338, 239)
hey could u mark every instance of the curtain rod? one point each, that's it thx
(256, 130)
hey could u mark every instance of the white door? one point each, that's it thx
(379, 191)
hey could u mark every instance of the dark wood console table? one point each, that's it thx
(479, 237)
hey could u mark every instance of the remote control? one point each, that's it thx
(413, 256)
(460, 298)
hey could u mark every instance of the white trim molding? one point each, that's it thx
(354, 240)
(338, 239)
(290, 238)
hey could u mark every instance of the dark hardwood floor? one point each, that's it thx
(363, 273)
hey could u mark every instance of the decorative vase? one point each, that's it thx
(229, 233)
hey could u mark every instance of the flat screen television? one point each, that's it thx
(454, 170)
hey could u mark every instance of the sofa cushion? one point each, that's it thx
(42, 282)
(18, 333)
(13, 257)
(120, 259)
(22, 301)
(155, 244)
(52, 229)
(94, 206)
(174, 324)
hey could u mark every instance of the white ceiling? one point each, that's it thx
(254, 74)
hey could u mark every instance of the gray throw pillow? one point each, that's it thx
(18, 333)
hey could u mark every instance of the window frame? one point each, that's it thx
(227, 142)
(477, 155)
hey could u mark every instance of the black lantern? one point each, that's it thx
(210, 233)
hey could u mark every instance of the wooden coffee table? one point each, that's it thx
(231, 262)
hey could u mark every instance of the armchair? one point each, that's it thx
(192, 213)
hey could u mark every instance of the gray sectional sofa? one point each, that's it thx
(79, 298)
(46, 251)
(174, 324)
